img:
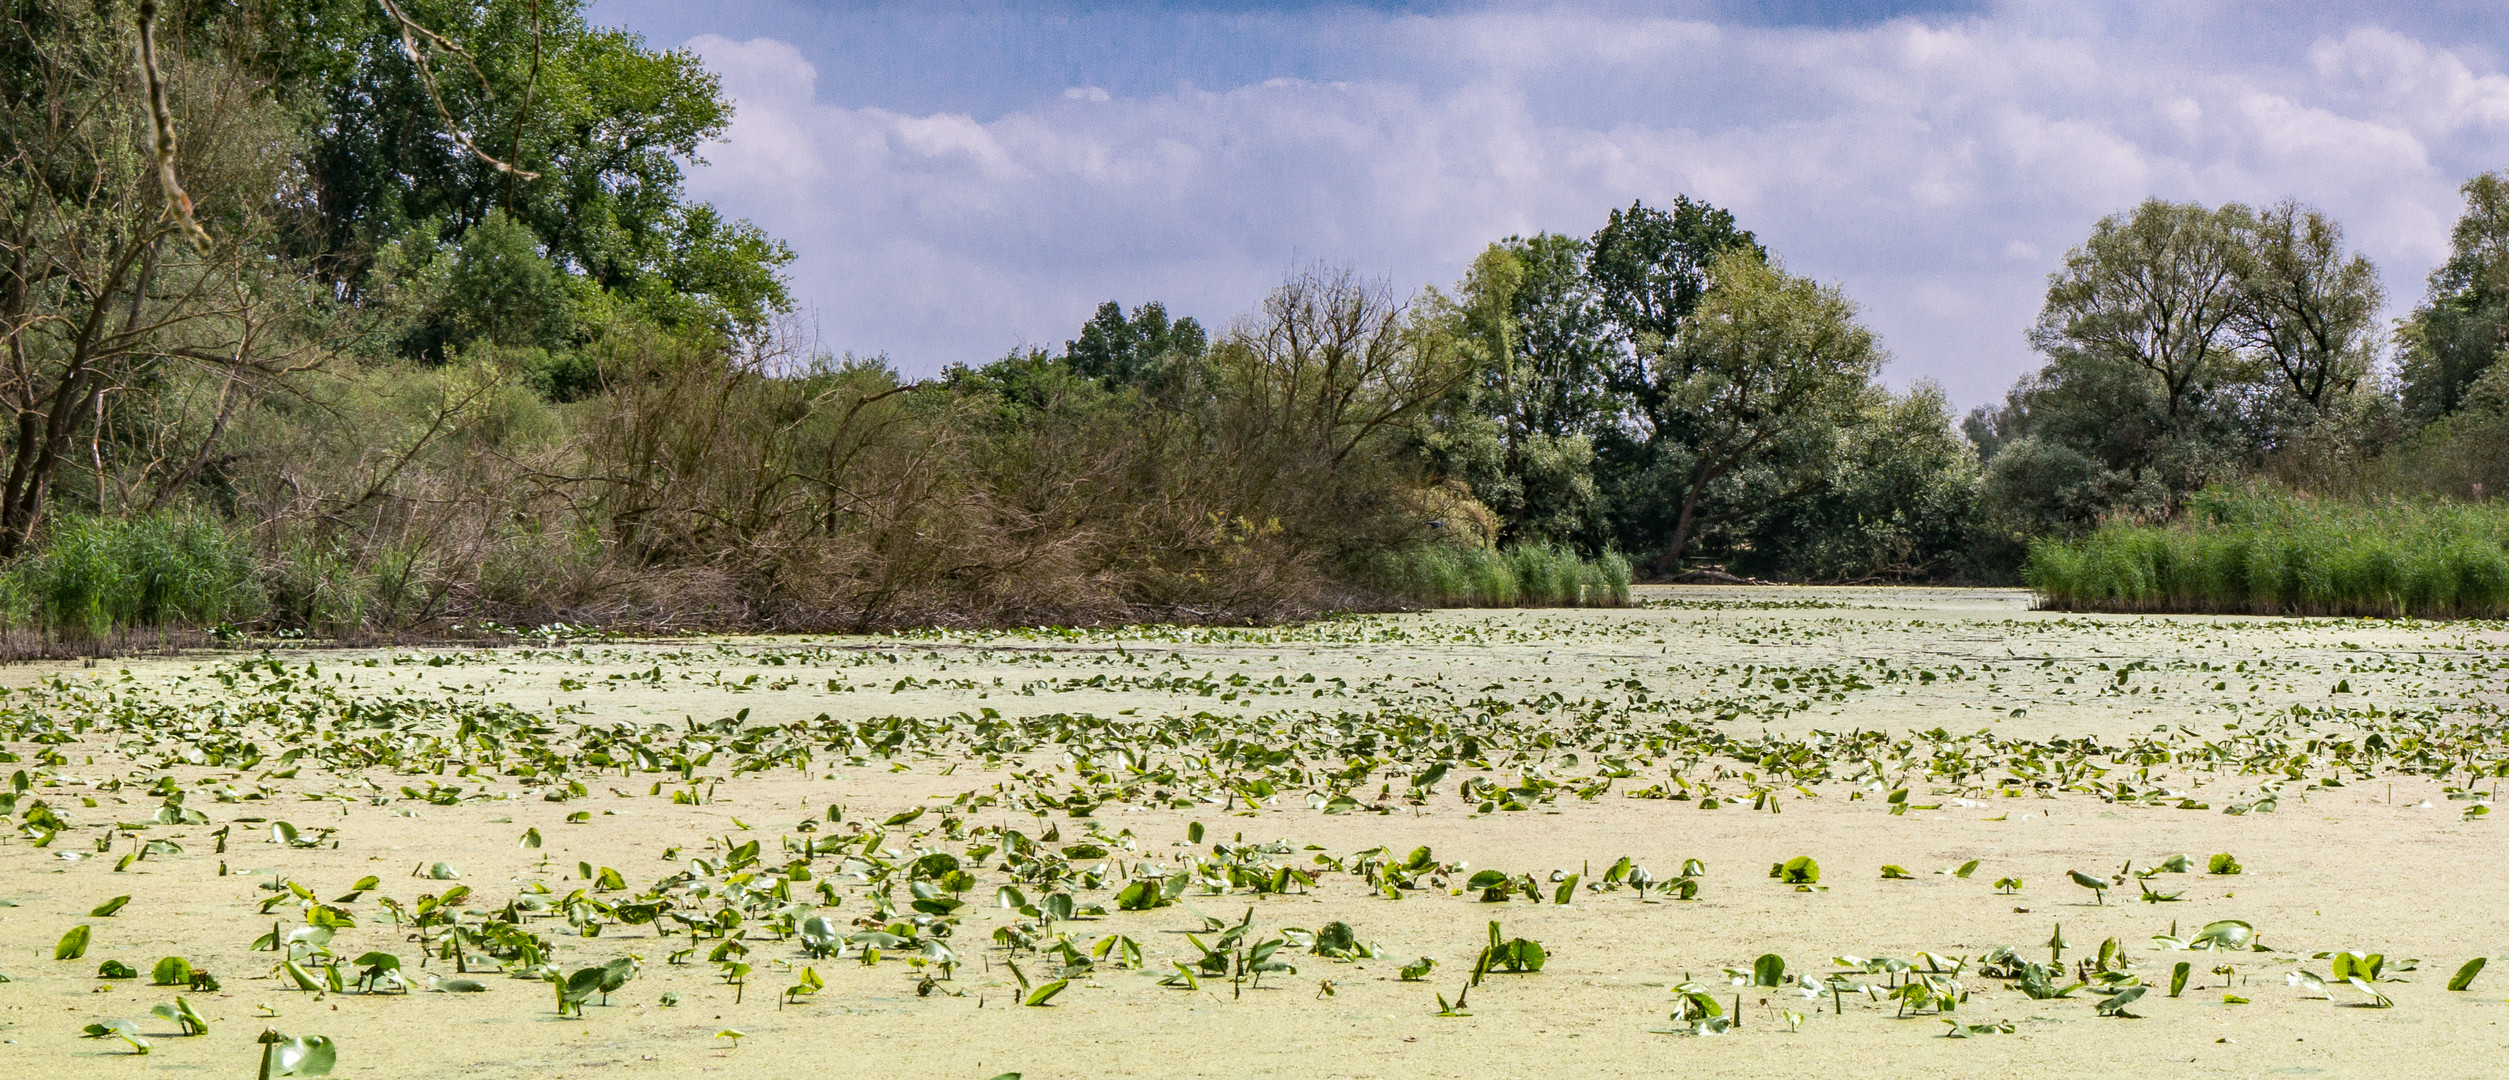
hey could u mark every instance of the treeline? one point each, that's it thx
(398, 316)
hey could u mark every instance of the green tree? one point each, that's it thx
(1528, 320)
(2462, 327)
(1648, 269)
(1119, 350)
(2304, 306)
(2155, 291)
(104, 298)
(1773, 366)
(577, 132)
(1901, 502)
(501, 290)
(1651, 268)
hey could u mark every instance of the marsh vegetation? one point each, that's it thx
(1510, 836)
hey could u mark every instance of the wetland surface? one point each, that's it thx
(1280, 852)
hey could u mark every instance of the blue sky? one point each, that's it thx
(963, 179)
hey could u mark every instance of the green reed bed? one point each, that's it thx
(2275, 553)
(94, 575)
(1520, 576)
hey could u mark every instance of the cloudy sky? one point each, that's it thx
(963, 179)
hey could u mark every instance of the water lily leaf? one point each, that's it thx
(2377, 1000)
(2465, 975)
(1768, 970)
(184, 1017)
(2115, 1005)
(312, 1055)
(73, 944)
(107, 908)
(124, 1030)
(2224, 934)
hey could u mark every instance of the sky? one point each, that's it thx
(961, 180)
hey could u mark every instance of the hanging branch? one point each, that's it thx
(178, 203)
(411, 32)
(514, 149)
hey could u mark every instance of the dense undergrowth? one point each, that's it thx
(97, 578)
(2264, 552)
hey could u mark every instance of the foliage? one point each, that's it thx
(1447, 575)
(2265, 552)
(2186, 346)
(94, 574)
(2456, 336)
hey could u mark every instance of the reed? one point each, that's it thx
(95, 575)
(1526, 575)
(2270, 552)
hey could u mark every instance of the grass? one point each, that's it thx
(2276, 553)
(93, 575)
(1526, 575)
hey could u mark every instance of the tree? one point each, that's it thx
(577, 132)
(104, 288)
(1773, 365)
(1649, 269)
(502, 291)
(2156, 291)
(1900, 503)
(1331, 363)
(1543, 353)
(2462, 328)
(1123, 351)
(2303, 305)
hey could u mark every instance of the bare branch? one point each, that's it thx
(411, 32)
(178, 204)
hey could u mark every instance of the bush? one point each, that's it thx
(2272, 552)
(93, 575)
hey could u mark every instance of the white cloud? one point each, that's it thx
(1936, 171)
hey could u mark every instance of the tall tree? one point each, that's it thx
(105, 284)
(2462, 327)
(1544, 355)
(2154, 291)
(1118, 350)
(1773, 366)
(1650, 268)
(431, 114)
(2304, 305)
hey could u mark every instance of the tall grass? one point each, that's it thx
(2271, 552)
(94, 575)
(1522, 576)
